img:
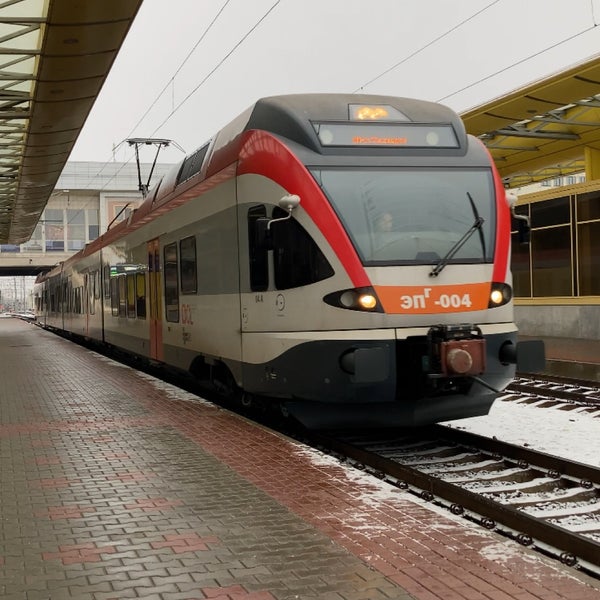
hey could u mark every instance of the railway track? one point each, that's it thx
(542, 501)
(559, 389)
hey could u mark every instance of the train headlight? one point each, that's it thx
(363, 299)
(500, 294)
(367, 301)
(496, 297)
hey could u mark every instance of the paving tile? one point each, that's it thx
(113, 488)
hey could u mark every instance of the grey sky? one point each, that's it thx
(460, 52)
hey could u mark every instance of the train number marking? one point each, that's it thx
(186, 314)
(454, 301)
(415, 300)
(434, 299)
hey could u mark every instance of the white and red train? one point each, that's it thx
(344, 256)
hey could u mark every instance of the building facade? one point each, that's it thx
(89, 197)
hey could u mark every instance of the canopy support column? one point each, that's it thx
(592, 164)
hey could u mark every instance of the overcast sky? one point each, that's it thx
(188, 67)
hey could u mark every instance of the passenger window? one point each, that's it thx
(297, 259)
(189, 273)
(107, 282)
(258, 256)
(114, 296)
(122, 296)
(91, 281)
(131, 296)
(171, 287)
(97, 285)
(77, 300)
(140, 292)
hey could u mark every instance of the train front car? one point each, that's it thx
(378, 290)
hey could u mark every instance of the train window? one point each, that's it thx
(258, 256)
(297, 259)
(107, 289)
(413, 216)
(92, 292)
(97, 285)
(114, 296)
(77, 300)
(140, 295)
(188, 266)
(171, 287)
(122, 296)
(192, 164)
(130, 277)
(64, 297)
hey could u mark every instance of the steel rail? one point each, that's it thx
(555, 394)
(571, 546)
(533, 458)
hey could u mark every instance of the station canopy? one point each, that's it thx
(54, 58)
(548, 129)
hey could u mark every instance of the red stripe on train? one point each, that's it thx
(263, 154)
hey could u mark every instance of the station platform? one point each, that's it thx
(116, 485)
(574, 358)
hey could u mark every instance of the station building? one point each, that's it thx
(557, 271)
(88, 199)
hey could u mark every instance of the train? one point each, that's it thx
(344, 258)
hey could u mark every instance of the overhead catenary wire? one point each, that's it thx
(161, 93)
(219, 64)
(175, 109)
(178, 70)
(257, 24)
(428, 45)
(171, 79)
(519, 62)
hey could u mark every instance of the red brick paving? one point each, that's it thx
(56, 482)
(79, 553)
(67, 512)
(225, 507)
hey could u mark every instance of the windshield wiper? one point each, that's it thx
(479, 221)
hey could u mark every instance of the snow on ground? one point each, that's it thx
(573, 434)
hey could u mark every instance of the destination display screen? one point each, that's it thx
(409, 135)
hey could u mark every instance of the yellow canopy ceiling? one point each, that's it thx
(546, 129)
(54, 58)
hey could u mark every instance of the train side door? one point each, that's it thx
(154, 300)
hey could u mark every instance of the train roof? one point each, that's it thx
(288, 116)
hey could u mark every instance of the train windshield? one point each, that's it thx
(416, 216)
